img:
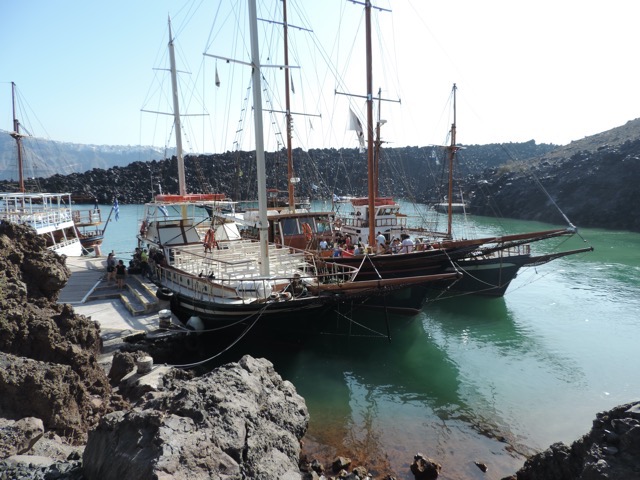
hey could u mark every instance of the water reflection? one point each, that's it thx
(381, 402)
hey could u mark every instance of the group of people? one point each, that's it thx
(116, 270)
(140, 263)
(404, 244)
(343, 246)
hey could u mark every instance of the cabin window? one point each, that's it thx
(323, 226)
(289, 226)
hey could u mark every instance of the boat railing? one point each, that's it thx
(87, 217)
(228, 278)
(39, 218)
(60, 244)
(495, 252)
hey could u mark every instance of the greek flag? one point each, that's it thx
(164, 210)
(336, 198)
(116, 208)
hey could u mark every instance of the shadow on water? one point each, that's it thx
(381, 402)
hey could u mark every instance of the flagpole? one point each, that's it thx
(116, 208)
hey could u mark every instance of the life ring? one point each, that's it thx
(308, 233)
(164, 294)
(337, 223)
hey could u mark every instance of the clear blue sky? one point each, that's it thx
(552, 71)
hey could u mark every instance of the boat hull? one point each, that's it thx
(488, 277)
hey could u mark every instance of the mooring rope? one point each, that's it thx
(227, 348)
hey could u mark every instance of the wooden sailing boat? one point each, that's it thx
(490, 268)
(487, 264)
(49, 214)
(224, 280)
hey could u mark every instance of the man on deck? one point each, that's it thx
(381, 240)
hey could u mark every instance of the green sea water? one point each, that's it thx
(472, 379)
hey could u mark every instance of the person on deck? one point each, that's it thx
(381, 240)
(407, 244)
(145, 270)
(296, 287)
(323, 244)
(395, 245)
(210, 240)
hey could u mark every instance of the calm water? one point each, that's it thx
(471, 378)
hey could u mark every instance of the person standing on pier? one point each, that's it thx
(121, 273)
(111, 267)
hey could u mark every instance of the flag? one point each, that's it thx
(116, 208)
(354, 124)
(293, 89)
(217, 77)
(164, 210)
(336, 197)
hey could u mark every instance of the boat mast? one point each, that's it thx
(378, 145)
(18, 138)
(263, 224)
(452, 154)
(370, 144)
(176, 116)
(291, 187)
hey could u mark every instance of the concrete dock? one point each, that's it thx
(119, 313)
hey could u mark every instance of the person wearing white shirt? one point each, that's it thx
(381, 240)
(407, 245)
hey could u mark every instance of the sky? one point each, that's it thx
(545, 70)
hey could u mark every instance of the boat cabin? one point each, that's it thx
(355, 222)
(301, 229)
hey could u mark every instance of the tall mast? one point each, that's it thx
(378, 145)
(263, 224)
(452, 155)
(18, 138)
(176, 116)
(370, 145)
(291, 187)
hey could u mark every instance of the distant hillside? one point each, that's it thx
(594, 181)
(412, 172)
(46, 157)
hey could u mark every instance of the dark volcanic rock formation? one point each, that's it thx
(47, 352)
(594, 182)
(239, 421)
(611, 450)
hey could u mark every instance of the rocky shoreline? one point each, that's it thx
(62, 416)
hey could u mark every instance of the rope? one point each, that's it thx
(566, 219)
(226, 349)
(353, 322)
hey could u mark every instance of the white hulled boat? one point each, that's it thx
(49, 214)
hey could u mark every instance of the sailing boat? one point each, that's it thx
(489, 269)
(221, 279)
(488, 265)
(49, 214)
